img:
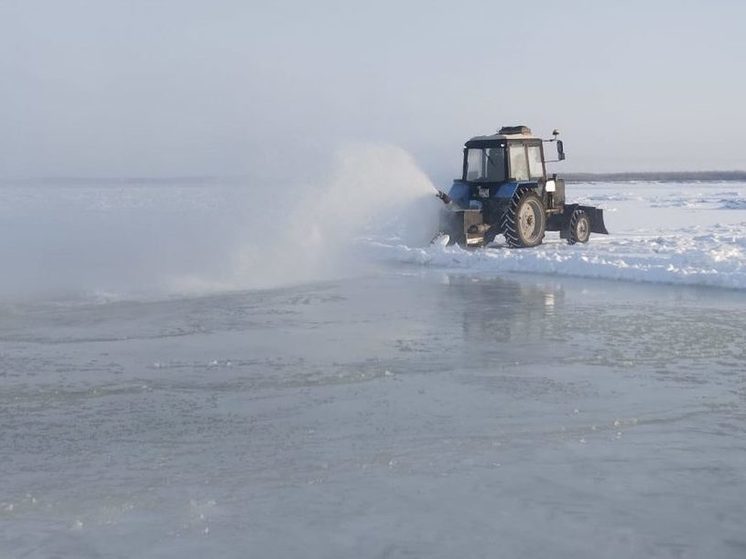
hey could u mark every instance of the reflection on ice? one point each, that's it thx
(502, 309)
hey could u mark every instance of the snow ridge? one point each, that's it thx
(661, 233)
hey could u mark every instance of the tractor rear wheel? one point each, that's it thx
(525, 220)
(579, 228)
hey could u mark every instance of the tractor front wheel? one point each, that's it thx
(525, 220)
(579, 228)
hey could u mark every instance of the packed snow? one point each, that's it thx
(677, 233)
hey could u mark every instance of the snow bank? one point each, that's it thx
(660, 233)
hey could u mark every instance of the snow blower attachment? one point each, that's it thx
(504, 190)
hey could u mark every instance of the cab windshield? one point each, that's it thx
(485, 164)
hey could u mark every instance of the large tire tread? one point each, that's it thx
(572, 233)
(509, 222)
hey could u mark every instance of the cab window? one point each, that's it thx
(495, 164)
(518, 163)
(474, 164)
(485, 164)
(535, 167)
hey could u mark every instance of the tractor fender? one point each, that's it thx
(595, 215)
(508, 190)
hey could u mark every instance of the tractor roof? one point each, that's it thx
(505, 133)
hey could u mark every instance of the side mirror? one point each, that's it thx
(560, 150)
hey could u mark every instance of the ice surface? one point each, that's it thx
(417, 402)
(429, 414)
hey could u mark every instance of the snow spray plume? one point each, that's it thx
(373, 190)
(134, 239)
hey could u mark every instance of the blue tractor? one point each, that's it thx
(504, 190)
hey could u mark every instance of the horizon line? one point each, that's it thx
(207, 179)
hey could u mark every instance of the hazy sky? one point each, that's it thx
(221, 87)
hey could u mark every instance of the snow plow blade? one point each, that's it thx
(596, 216)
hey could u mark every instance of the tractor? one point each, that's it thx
(504, 189)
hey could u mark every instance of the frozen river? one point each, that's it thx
(410, 413)
(188, 371)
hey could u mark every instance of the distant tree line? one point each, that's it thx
(642, 176)
(665, 176)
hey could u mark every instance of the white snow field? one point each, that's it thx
(187, 375)
(691, 233)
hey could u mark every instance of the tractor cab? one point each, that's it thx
(496, 165)
(512, 154)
